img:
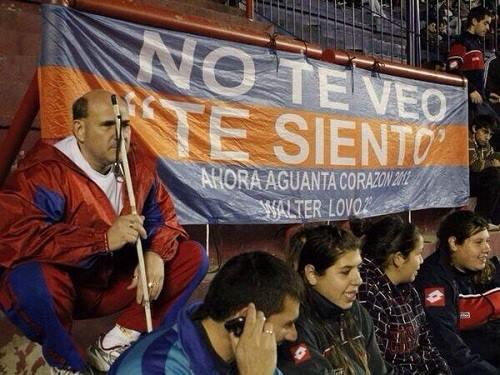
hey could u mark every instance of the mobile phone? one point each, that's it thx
(235, 325)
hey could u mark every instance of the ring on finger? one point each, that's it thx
(150, 284)
(269, 331)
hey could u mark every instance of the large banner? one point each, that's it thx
(246, 134)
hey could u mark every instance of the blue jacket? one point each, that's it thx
(179, 349)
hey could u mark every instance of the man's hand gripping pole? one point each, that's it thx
(131, 197)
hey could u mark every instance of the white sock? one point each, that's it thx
(119, 336)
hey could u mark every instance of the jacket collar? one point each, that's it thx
(192, 340)
(322, 306)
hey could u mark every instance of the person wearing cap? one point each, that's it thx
(67, 241)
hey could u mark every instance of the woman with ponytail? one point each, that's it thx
(392, 255)
(460, 289)
(335, 334)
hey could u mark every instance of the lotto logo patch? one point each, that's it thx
(434, 297)
(300, 353)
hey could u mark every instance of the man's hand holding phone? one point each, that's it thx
(255, 350)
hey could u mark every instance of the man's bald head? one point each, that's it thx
(80, 107)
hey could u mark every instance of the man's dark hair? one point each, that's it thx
(256, 277)
(485, 122)
(80, 108)
(477, 13)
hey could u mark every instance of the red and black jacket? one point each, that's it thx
(457, 308)
(466, 58)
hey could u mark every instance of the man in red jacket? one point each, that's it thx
(67, 240)
(466, 53)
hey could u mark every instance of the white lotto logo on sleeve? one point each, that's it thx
(300, 353)
(434, 297)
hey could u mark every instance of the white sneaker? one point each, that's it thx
(493, 227)
(69, 371)
(102, 358)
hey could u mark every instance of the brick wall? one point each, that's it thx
(20, 29)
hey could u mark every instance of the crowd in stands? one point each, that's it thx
(466, 57)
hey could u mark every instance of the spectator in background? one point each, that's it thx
(484, 165)
(335, 334)
(210, 338)
(429, 37)
(460, 288)
(492, 77)
(436, 65)
(466, 54)
(433, 42)
(392, 257)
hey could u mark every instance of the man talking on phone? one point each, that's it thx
(250, 307)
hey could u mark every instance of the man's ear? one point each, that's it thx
(310, 274)
(241, 312)
(452, 243)
(79, 130)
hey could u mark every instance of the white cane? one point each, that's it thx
(133, 207)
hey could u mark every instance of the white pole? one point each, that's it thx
(133, 208)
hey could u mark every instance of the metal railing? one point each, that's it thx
(443, 21)
(396, 30)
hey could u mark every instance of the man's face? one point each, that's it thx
(473, 253)
(97, 133)
(284, 321)
(481, 27)
(482, 136)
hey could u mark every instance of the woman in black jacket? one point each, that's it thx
(335, 334)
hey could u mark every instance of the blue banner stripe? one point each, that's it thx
(214, 194)
(290, 81)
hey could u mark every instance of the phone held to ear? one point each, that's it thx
(235, 325)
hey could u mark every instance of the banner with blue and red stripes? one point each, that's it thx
(246, 134)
